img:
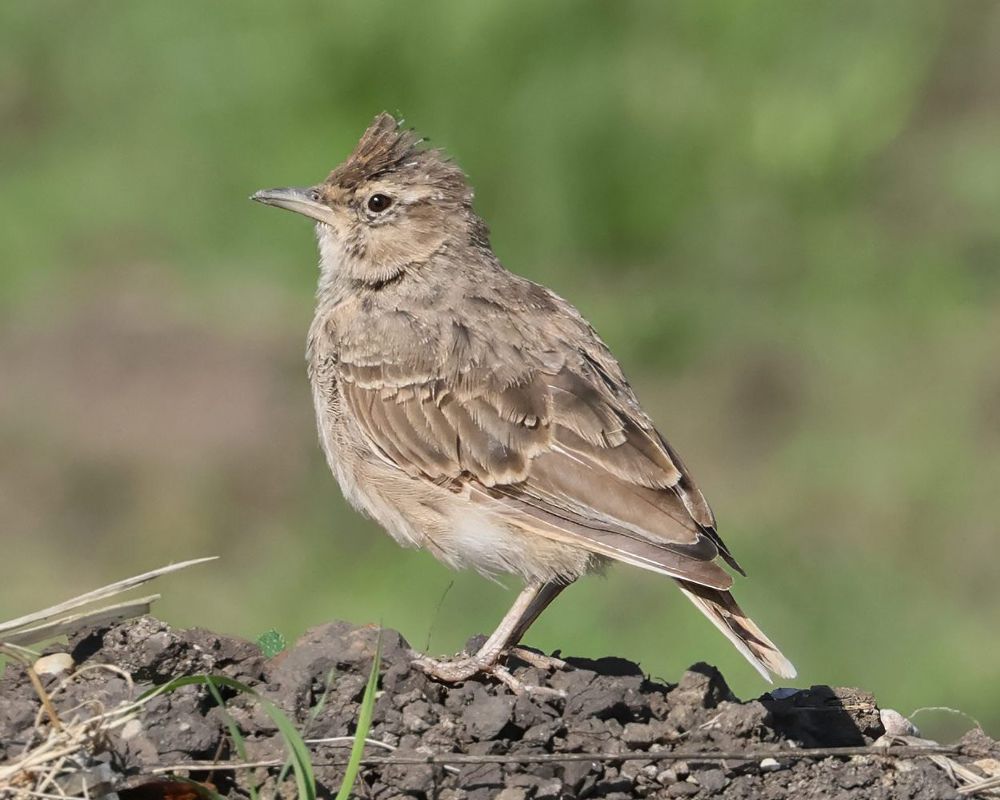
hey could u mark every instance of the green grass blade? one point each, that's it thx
(314, 712)
(234, 729)
(305, 779)
(301, 760)
(364, 724)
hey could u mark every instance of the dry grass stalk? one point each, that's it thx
(61, 744)
(67, 617)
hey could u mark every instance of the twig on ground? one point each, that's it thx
(348, 740)
(634, 755)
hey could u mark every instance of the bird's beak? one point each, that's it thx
(302, 201)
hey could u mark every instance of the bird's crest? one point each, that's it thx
(386, 148)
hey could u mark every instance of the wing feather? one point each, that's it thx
(563, 453)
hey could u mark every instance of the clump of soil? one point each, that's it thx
(603, 708)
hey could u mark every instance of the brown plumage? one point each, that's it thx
(476, 414)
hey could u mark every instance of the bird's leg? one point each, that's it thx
(528, 605)
(546, 594)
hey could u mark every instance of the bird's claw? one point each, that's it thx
(535, 659)
(461, 669)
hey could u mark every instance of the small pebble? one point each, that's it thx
(131, 729)
(54, 664)
(896, 724)
(712, 781)
(637, 735)
(550, 790)
(512, 793)
(666, 777)
(769, 765)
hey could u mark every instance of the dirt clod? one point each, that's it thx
(609, 709)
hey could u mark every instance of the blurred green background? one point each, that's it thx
(783, 217)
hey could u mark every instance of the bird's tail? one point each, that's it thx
(720, 607)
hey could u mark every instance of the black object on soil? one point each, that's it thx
(608, 707)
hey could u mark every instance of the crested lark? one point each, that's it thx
(478, 415)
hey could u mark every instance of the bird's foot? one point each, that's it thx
(461, 669)
(454, 670)
(534, 658)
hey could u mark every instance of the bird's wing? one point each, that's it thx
(561, 449)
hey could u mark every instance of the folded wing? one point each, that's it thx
(561, 450)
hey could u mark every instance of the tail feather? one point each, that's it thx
(720, 607)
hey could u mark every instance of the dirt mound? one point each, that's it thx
(608, 731)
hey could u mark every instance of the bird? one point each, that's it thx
(477, 415)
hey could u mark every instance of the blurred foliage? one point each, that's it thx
(782, 217)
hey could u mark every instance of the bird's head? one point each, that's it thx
(391, 206)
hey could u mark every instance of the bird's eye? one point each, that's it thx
(379, 202)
